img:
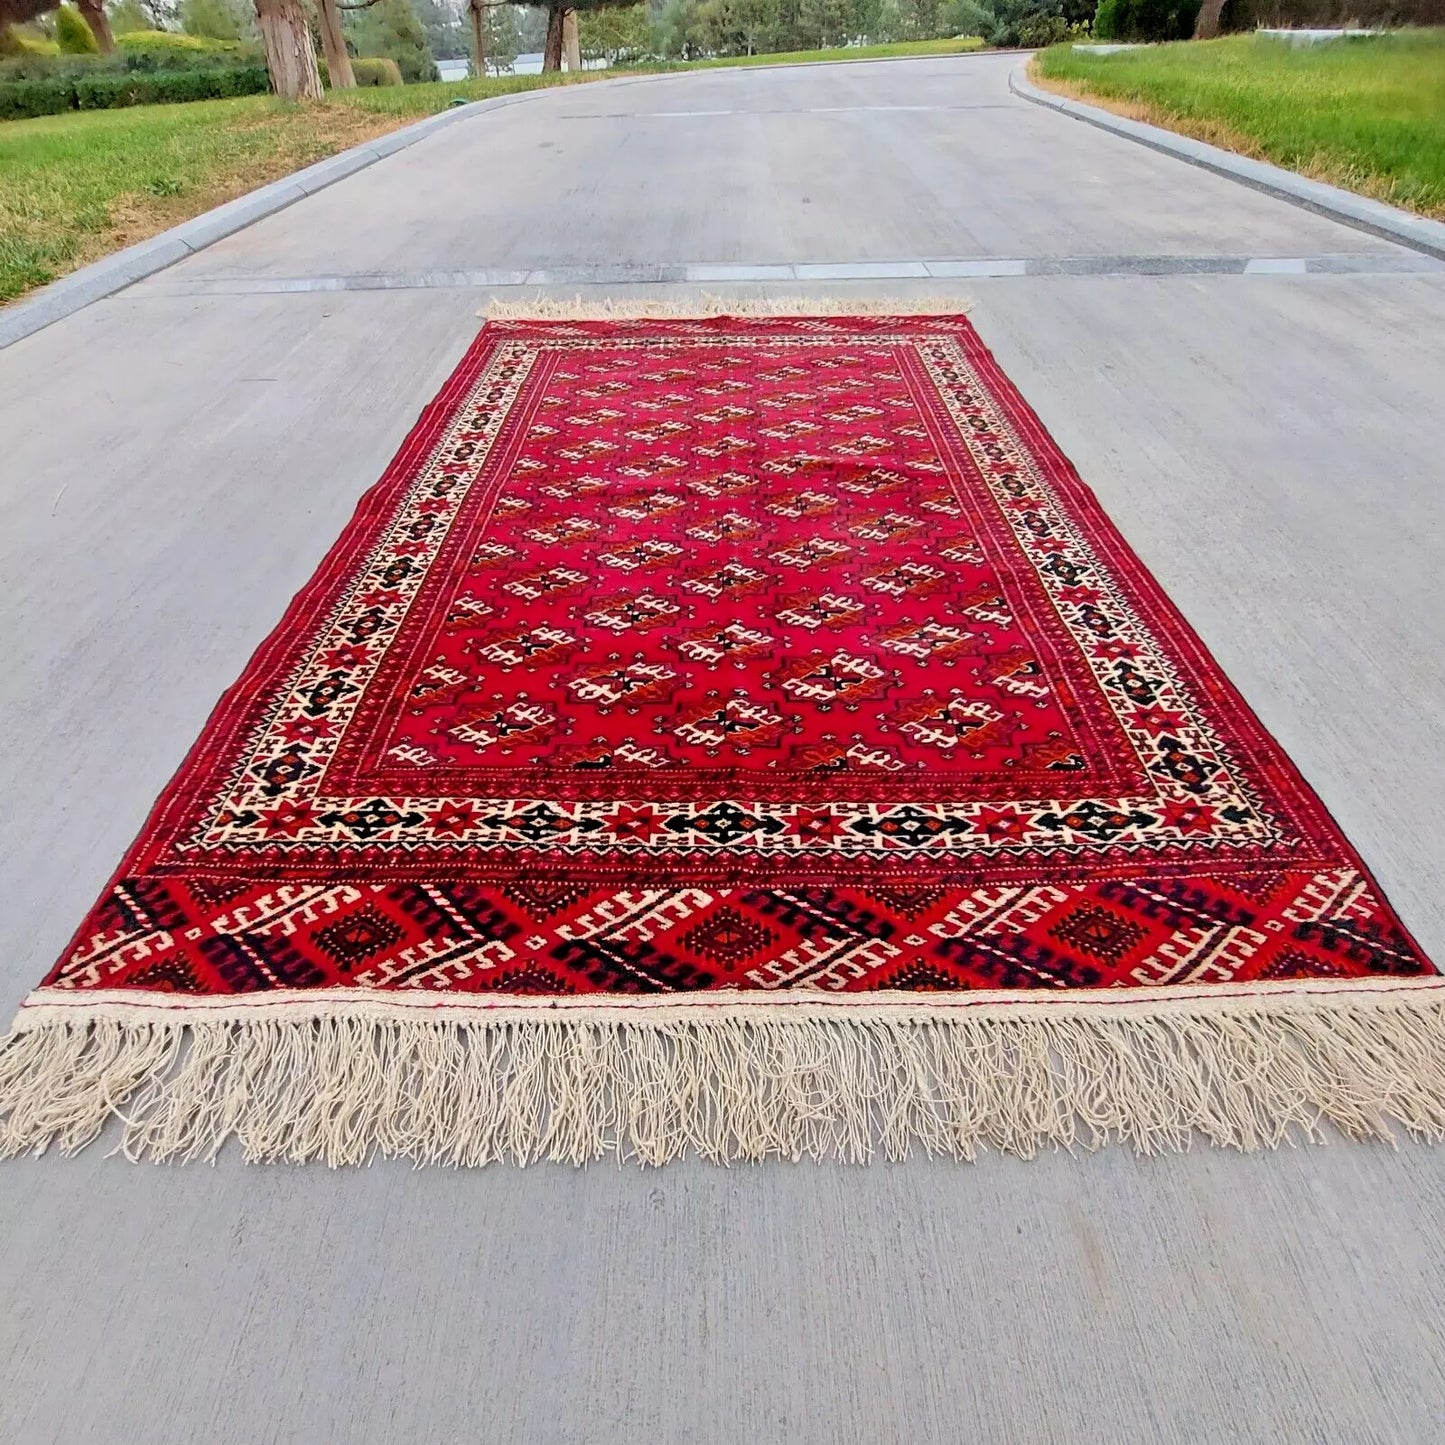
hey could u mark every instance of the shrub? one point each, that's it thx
(72, 34)
(168, 40)
(105, 92)
(1039, 31)
(129, 59)
(21, 99)
(1145, 20)
(24, 44)
(29, 66)
(380, 70)
(1030, 23)
(967, 17)
(170, 50)
(101, 89)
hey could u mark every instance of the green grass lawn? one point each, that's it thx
(1368, 114)
(74, 187)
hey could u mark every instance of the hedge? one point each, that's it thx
(106, 90)
(380, 70)
(171, 42)
(128, 61)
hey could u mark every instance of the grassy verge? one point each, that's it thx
(1366, 114)
(75, 187)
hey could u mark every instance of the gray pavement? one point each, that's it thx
(179, 456)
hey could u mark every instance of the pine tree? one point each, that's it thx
(446, 34)
(391, 29)
(504, 37)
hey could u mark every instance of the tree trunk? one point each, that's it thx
(95, 17)
(552, 51)
(333, 42)
(479, 37)
(19, 12)
(290, 55)
(571, 45)
(1206, 23)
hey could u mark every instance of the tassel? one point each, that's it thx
(545, 308)
(461, 1086)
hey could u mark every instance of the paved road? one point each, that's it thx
(176, 460)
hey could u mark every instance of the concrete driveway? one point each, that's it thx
(177, 459)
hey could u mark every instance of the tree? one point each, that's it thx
(504, 37)
(824, 23)
(921, 19)
(128, 15)
(290, 53)
(95, 17)
(333, 44)
(571, 45)
(556, 25)
(613, 34)
(214, 19)
(1206, 23)
(158, 14)
(531, 28)
(967, 17)
(682, 31)
(722, 27)
(390, 28)
(495, 39)
(21, 12)
(92, 12)
(446, 36)
(477, 14)
(552, 45)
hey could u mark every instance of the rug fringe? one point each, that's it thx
(744, 1085)
(543, 308)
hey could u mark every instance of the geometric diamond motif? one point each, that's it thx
(1099, 933)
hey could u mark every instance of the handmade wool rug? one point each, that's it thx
(745, 736)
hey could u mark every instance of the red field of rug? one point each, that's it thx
(727, 665)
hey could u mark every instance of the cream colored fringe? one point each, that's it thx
(543, 308)
(745, 1084)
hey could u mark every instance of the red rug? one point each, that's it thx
(739, 734)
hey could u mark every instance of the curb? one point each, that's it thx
(121, 269)
(1388, 222)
